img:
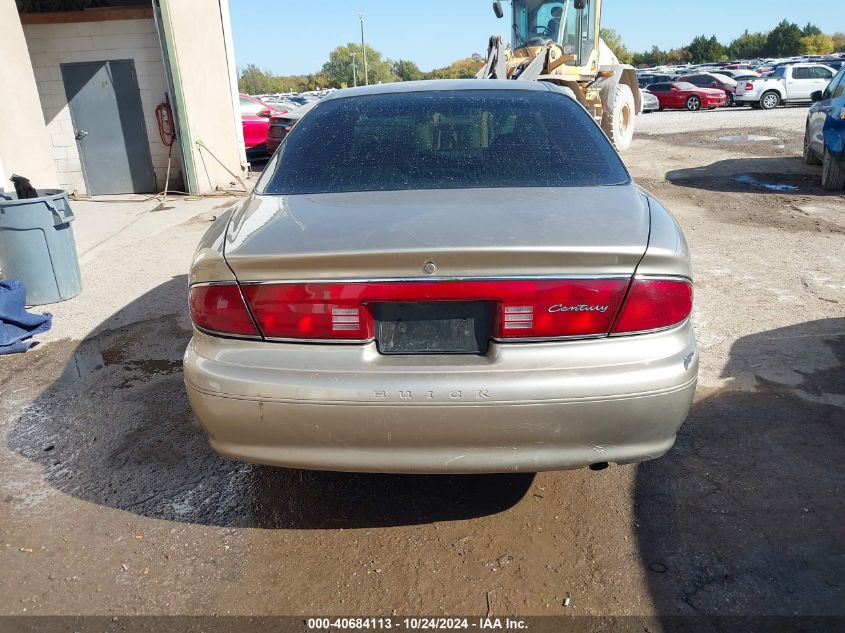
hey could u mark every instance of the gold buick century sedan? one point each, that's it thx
(443, 277)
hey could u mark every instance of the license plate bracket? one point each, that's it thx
(436, 327)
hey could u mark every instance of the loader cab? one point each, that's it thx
(570, 24)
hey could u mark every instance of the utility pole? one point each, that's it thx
(354, 71)
(364, 51)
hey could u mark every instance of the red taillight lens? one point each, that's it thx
(654, 304)
(311, 311)
(749, 86)
(221, 309)
(520, 309)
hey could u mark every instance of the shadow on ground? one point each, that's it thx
(759, 175)
(746, 514)
(112, 426)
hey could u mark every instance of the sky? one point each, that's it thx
(292, 37)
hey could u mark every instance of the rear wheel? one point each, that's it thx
(833, 173)
(770, 100)
(618, 122)
(730, 96)
(693, 103)
(809, 155)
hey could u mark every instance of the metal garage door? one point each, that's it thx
(105, 105)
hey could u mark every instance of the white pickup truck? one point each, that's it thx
(787, 84)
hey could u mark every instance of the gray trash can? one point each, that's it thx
(37, 246)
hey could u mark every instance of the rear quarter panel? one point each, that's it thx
(667, 252)
(208, 264)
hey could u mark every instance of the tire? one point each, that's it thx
(618, 122)
(769, 100)
(693, 103)
(731, 101)
(833, 173)
(809, 155)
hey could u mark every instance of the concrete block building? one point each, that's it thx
(120, 96)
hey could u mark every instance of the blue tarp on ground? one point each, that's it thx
(17, 326)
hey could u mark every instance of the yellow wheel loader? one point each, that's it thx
(558, 41)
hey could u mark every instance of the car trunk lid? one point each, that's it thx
(459, 233)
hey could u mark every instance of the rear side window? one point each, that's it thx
(248, 106)
(837, 86)
(445, 140)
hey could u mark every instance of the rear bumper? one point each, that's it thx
(528, 407)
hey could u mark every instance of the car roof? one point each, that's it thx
(441, 85)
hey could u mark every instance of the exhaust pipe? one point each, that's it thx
(598, 466)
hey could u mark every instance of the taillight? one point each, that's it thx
(653, 304)
(220, 308)
(316, 311)
(749, 86)
(519, 309)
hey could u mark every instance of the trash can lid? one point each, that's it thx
(10, 198)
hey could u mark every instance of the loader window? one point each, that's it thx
(539, 21)
(450, 139)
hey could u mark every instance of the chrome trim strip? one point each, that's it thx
(204, 284)
(321, 341)
(655, 330)
(433, 278)
(549, 339)
(229, 335)
(666, 277)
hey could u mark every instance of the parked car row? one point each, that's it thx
(788, 83)
(265, 123)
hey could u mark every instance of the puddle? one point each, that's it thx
(751, 181)
(744, 138)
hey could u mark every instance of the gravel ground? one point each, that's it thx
(112, 503)
(786, 119)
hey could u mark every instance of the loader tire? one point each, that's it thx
(618, 122)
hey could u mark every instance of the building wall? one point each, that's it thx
(53, 44)
(25, 147)
(200, 67)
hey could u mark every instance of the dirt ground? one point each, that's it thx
(112, 503)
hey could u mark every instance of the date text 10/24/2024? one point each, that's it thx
(416, 623)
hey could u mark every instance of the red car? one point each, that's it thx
(683, 95)
(255, 116)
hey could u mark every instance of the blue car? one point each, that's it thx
(824, 138)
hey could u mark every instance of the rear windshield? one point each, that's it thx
(444, 140)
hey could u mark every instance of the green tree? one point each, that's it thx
(748, 46)
(654, 57)
(784, 40)
(338, 70)
(704, 49)
(678, 56)
(252, 80)
(839, 42)
(615, 44)
(811, 29)
(819, 44)
(406, 70)
(460, 69)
